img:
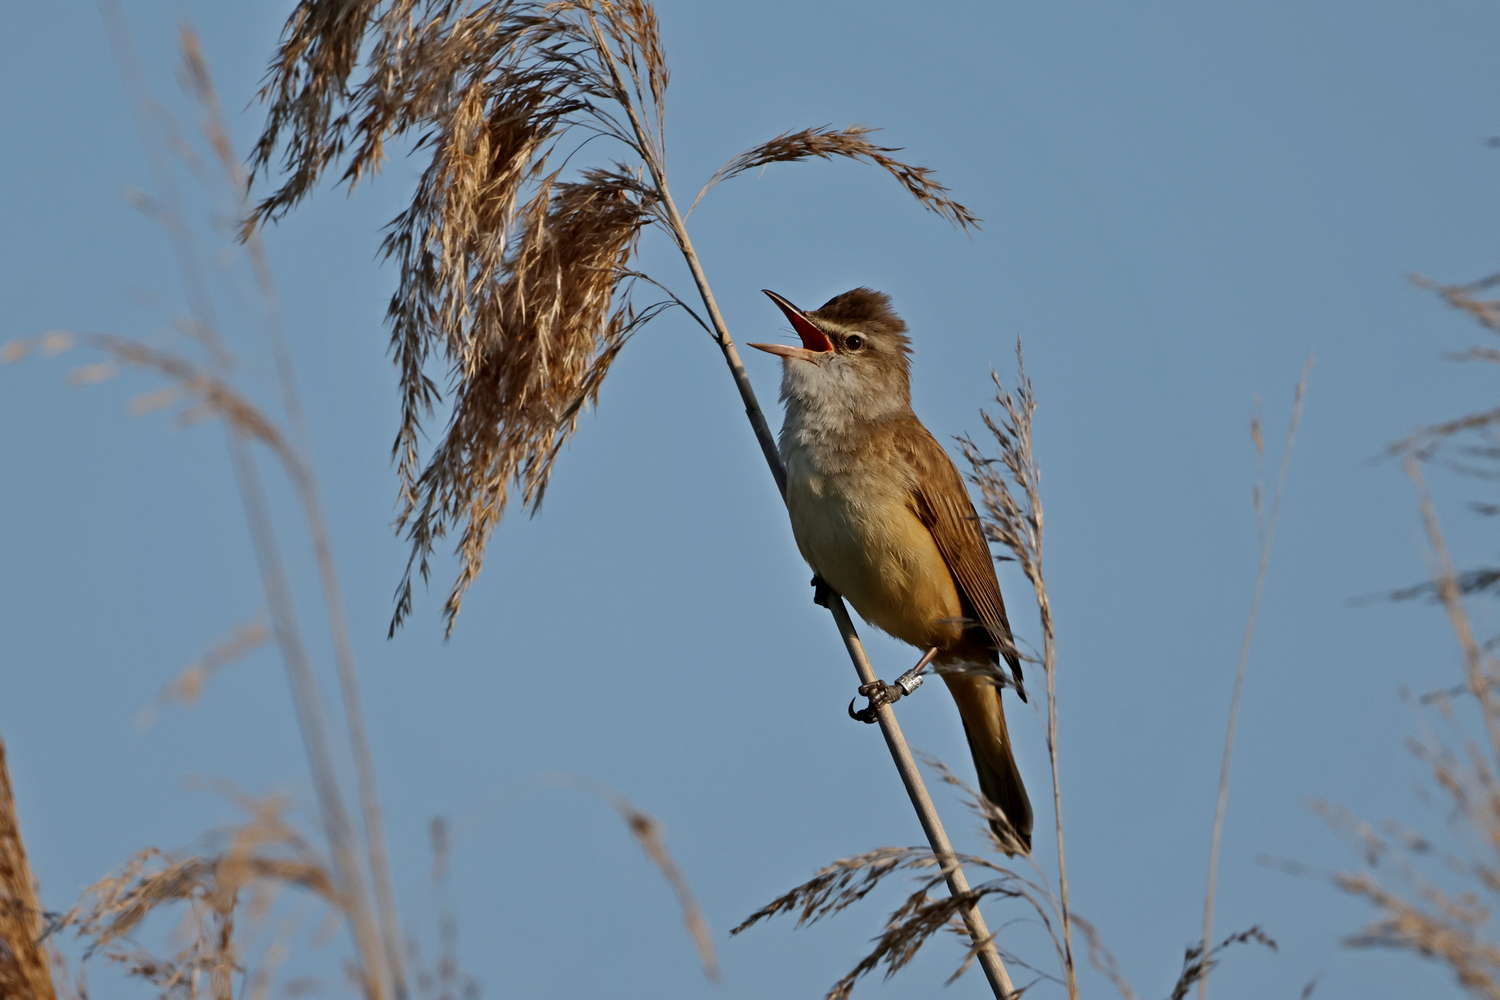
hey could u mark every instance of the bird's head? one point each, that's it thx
(854, 354)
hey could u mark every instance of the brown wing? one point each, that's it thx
(941, 502)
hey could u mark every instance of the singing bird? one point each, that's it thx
(881, 515)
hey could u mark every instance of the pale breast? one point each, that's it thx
(857, 532)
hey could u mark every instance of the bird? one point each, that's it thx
(881, 514)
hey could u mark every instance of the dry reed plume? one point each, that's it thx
(515, 263)
(921, 916)
(827, 142)
(263, 857)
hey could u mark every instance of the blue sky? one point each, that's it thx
(1180, 205)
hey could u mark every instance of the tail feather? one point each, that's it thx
(989, 741)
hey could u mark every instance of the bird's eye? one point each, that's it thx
(854, 342)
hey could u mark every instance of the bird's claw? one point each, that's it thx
(822, 593)
(880, 693)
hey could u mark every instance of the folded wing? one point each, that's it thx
(942, 504)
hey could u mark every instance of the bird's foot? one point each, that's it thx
(822, 593)
(880, 693)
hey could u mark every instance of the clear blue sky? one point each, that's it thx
(1180, 204)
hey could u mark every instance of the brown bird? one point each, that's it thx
(882, 516)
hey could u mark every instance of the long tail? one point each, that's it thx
(989, 741)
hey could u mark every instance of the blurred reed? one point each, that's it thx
(222, 890)
(1434, 894)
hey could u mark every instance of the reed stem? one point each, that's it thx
(1267, 529)
(916, 789)
(304, 478)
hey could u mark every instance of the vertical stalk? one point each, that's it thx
(304, 478)
(310, 717)
(312, 720)
(984, 945)
(1267, 529)
(1049, 664)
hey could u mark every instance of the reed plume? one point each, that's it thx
(264, 857)
(827, 142)
(516, 253)
(1009, 487)
(921, 916)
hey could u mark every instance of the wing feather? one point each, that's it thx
(942, 504)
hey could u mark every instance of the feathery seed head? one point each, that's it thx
(514, 260)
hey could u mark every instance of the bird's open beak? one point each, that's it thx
(814, 341)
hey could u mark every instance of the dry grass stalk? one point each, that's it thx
(915, 922)
(1265, 523)
(648, 832)
(1445, 921)
(1481, 669)
(919, 918)
(264, 857)
(203, 395)
(245, 424)
(1427, 442)
(215, 128)
(1011, 515)
(1198, 961)
(1480, 454)
(1433, 901)
(447, 981)
(120, 903)
(24, 967)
